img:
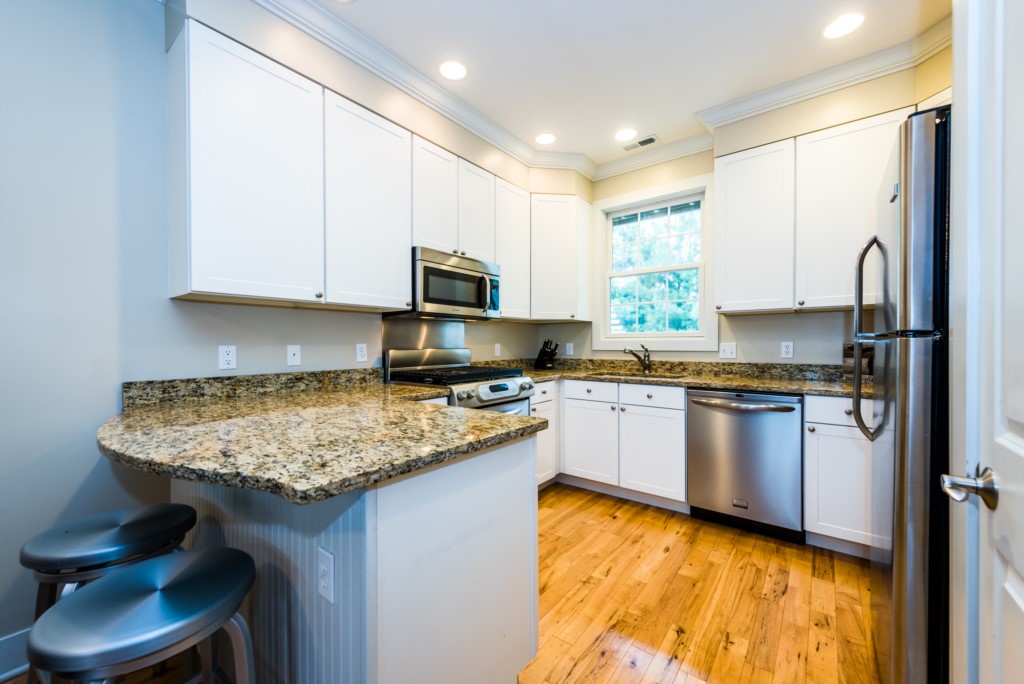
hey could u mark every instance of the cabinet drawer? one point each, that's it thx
(545, 392)
(593, 391)
(653, 395)
(839, 411)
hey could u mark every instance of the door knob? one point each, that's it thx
(986, 485)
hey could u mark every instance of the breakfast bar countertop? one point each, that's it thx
(305, 444)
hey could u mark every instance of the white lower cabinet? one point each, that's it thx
(848, 484)
(591, 432)
(544, 404)
(638, 447)
(652, 450)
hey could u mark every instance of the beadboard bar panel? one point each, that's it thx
(300, 637)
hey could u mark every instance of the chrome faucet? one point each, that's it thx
(645, 360)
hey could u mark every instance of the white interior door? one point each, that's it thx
(988, 213)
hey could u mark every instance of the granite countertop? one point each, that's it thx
(304, 445)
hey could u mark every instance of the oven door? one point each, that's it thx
(519, 407)
(456, 292)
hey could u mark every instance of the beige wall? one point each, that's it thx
(652, 176)
(933, 75)
(561, 182)
(248, 23)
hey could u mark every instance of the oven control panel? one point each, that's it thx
(493, 392)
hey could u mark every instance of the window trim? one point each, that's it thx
(604, 210)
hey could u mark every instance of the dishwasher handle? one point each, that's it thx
(749, 408)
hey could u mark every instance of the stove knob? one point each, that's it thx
(462, 394)
(471, 393)
(527, 385)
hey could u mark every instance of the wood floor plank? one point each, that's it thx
(634, 593)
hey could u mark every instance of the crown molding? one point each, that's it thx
(875, 65)
(660, 153)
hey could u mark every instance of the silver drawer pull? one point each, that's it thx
(810, 428)
(848, 411)
(589, 390)
(750, 408)
(612, 408)
(650, 396)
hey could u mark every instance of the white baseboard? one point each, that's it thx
(12, 654)
(629, 494)
(841, 545)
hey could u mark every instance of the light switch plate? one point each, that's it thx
(727, 350)
(294, 354)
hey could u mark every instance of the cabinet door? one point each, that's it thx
(847, 485)
(553, 248)
(512, 248)
(368, 201)
(844, 181)
(547, 440)
(652, 450)
(476, 212)
(256, 194)
(591, 440)
(754, 229)
(435, 196)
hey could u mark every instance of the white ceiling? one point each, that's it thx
(583, 69)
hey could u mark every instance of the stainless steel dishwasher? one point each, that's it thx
(744, 458)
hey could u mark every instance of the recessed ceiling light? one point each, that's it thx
(625, 134)
(453, 71)
(848, 23)
(545, 138)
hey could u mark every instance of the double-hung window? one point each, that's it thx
(655, 271)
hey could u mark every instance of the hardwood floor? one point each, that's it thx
(634, 593)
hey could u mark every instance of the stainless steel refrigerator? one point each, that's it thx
(908, 329)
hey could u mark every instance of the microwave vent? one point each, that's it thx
(642, 142)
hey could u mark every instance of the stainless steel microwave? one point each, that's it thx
(452, 286)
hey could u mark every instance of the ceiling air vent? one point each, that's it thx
(642, 142)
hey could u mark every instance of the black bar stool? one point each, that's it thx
(145, 613)
(91, 547)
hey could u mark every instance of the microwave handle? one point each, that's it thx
(485, 283)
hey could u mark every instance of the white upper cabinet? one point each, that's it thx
(512, 248)
(368, 170)
(435, 196)
(845, 177)
(246, 173)
(754, 229)
(560, 258)
(476, 212)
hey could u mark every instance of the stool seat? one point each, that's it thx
(141, 609)
(109, 537)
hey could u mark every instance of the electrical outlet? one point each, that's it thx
(360, 352)
(787, 350)
(497, 349)
(568, 348)
(294, 354)
(325, 574)
(727, 350)
(227, 357)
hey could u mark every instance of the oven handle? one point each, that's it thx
(485, 283)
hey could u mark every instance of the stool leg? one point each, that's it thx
(241, 649)
(46, 596)
(206, 659)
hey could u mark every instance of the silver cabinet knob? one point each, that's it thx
(718, 306)
(319, 295)
(462, 253)
(622, 408)
(612, 408)
(409, 303)
(572, 315)
(810, 428)
(534, 410)
(986, 485)
(800, 303)
(455, 251)
(543, 391)
(848, 411)
(589, 390)
(650, 396)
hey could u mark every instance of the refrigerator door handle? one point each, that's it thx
(858, 359)
(858, 288)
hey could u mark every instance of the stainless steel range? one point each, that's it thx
(484, 387)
